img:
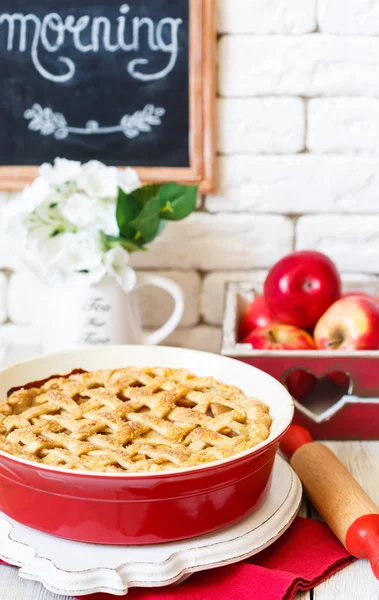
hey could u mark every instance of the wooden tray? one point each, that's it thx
(329, 416)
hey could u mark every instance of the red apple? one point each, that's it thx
(300, 287)
(256, 315)
(279, 337)
(351, 323)
(300, 384)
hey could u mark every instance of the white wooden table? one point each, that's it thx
(356, 582)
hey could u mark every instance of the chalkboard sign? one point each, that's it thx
(127, 83)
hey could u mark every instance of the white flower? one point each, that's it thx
(46, 221)
(28, 200)
(106, 217)
(30, 217)
(43, 251)
(62, 171)
(81, 251)
(98, 180)
(79, 209)
(116, 262)
(59, 219)
(128, 180)
(87, 212)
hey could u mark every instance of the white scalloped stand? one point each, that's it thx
(76, 569)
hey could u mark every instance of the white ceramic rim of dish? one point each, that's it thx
(227, 370)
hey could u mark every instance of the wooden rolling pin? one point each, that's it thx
(340, 500)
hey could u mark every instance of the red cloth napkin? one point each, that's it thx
(307, 554)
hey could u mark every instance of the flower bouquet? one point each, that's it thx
(88, 218)
(76, 226)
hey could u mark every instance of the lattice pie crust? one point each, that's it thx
(130, 420)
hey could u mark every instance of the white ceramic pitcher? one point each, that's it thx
(79, 313)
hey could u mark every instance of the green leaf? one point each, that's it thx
(177, 201)
(148, 221)
(128, 208)
(111, 241)
(132, 246)
(146, 193)
(141, 215)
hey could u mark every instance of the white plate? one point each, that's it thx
(76, 569)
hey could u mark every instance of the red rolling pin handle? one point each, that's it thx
(334, 492)
(294, 438)
(362, 540)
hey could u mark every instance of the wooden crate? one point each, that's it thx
(354, 415)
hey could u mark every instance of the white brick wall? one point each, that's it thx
(307, 65)
(344, 125)
(261, 125)
(157, 312)
(3, 297)
(298, 131)
(345, 17)
(304, 183)
(352, 241)
(266, 16)
(210, 242)
(201, 338)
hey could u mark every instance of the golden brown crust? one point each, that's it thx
(130, 420)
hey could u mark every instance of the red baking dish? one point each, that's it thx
(142, 508)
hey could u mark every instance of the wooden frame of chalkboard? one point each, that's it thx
(201, 96)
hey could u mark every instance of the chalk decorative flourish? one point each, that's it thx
(47, 122)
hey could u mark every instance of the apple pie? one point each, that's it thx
(130, 420)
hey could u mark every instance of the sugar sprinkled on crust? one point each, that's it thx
(131, 420)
